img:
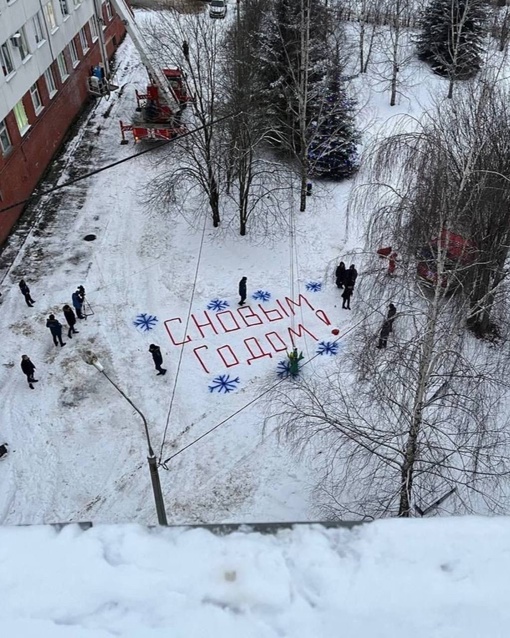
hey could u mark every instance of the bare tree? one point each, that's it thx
(415, 421)
(395, 45)
(192, 42)
(458, 162)
(367, 25)
(255, 182)
(399, 426)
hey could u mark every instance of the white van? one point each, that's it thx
(218, 9)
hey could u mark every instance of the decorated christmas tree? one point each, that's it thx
(333, 136)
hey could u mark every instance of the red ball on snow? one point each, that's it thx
(335, 331)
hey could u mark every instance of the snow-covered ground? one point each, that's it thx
(77, 449)
(446, 578)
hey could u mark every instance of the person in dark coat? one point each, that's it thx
(25, 291)
(350, 276)
(157, 357)
(340, 275)
(346, 296)
(56, 330)
(78, 304)
(81, 292)
(71, 320)
(28, 370)
(185, 49)
(242, 291)
(384, 334)
(390, 317)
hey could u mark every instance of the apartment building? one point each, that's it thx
(47, 48)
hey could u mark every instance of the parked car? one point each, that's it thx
(218, 9)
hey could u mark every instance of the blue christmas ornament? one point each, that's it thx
(224, 383)
(217, 305)
(145, 322)
(327, 347)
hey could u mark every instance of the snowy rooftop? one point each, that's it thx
(394, 578)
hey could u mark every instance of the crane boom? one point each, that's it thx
(155, 72)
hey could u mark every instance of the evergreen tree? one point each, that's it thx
(333, 137)
(310, 116)
(451, 38)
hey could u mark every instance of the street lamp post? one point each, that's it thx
(91, 359)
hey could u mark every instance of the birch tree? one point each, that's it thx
(396, 46)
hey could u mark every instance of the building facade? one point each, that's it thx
(47, 48)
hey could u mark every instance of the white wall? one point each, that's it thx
(13, 16)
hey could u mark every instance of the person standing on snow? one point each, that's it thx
(242, 291)
(157, 357)
(28, 370)
(25, 291)
(346, 296)
(78, 304)
(384, 334)
(340, 274)
(350, 276)
(71, 320)
(56, 330)
(390, 317)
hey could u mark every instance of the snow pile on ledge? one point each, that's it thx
(420, 578)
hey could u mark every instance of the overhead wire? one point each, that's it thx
(150, 149)
(190, 306)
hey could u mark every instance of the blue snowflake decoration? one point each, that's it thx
(261, 295)
(314, 286)
(223, 383)
(217, 305)
(283, 369)
(145, 322)
(328, 347)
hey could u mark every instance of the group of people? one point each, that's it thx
(346, 280)
(78, 298)
(54, 325)
(71, 315)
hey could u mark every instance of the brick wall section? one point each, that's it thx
(25, 164)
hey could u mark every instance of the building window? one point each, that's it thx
(64, 7)
(50, 81)
(6, 59)
(93, 28)
(109, 11)
(38, 28)
(62, 66)
(75, 58)
(21, 43)
(84, 41)
(36, 98)
(49, 12)
(21, 117)
(5, 140)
